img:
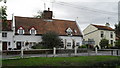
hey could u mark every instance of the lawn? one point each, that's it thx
(65, 61)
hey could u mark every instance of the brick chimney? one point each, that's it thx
(47, 14)
(107, 24)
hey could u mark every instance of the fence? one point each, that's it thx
(62, 52)
(111, 51)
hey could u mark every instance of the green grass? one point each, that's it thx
(64, 61)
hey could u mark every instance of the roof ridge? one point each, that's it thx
(102, 27)
(46, 19)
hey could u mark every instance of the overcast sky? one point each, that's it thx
(85, 12)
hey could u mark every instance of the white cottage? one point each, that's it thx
(29, 30)
(98, 32)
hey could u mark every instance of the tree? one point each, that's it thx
(117, 29)
(3, 15)
(117, 43)
(51, 39)
(0, 0)
(39, 14)
(104, 43)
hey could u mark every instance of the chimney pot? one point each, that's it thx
(107, 24)
(48, 9)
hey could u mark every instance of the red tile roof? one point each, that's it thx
(8, 26)
(100, 27)
(45, 25)
(118, 36)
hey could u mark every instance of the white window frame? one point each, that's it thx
(111, 34)
(69, 31)
(33, 33)
(77, 44)
(19, 31)
(68, 44)
(102, 34)
(4, 34)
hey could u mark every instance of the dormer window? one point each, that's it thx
(69, 31)
(32, 31)
(20, 31)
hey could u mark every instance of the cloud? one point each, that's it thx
(88, 0)
(87, 11)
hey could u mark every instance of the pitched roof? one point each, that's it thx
(8, 26)
(100, 27)
(118, 36)
(45, 25)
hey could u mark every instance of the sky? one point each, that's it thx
(84, 12)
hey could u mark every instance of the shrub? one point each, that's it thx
(51, 39)
(104, 43)
(117, 43)
(38, 46)
(83, 46)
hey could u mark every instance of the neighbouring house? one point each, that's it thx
(98, 32)
(29, 30)
(7, 36)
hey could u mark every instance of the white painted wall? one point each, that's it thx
(89, 28)
(9, 38)
(95, 35)
(69, 39)
(107, 36)
(32, 38)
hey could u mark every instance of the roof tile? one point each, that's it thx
(100, 27)
(45, 25)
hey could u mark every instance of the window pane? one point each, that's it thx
(69, 44)
(4, 34)
(111, 42)
(32, 31)
(111, 34)
(77, 44)
(20, 31)
(102, 34)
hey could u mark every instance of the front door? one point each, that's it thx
(4, 47)
(18, 45)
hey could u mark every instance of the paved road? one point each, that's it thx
(61, 55)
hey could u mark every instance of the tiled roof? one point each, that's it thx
(100, 27)
(45, 25)
(118, 36)
(8, 26)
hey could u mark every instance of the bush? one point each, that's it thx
(83, 46)
(51, 39)
(117, 43)
(38, 46)
(104, 43)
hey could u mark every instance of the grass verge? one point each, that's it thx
(65, 61)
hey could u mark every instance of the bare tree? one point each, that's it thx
(39, 14)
